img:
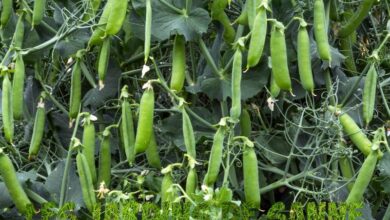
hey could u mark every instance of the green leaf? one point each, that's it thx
(384, 172)
(54, 181)
(253, 81)
(167, 22)
(277, 148)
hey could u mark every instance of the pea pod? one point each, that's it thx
(274, 88)
(279, 57)
(353, 131)
(178, 63)
(251, 177)
(39, 128)
(257, 41)
(145, 121)
(18, 88)
(105, 159)
(38, 11)
(218, 14)
(364, 177)
(148, 29)
(19, 33)
(245, 123)
(98, 34)
(346, 47)
(333, 10)
(6, 12)
(152, 153)
(167, 196)
(235, 110)
(89, 134)
(117, 17)
(104, 57)
(15, 189)
(75, 92)
(7, 113)
(321, 30)
(188, 134)
(92, 7)
(369, 94)
(86, 183)
(215, 159)
(191, 182)
(304, 58)
(357, 18)
(252, 6)
(127, 126)
(243, 18)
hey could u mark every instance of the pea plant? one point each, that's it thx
(222, 109)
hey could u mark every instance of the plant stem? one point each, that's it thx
(209, 58)
(64, 183)
(328, 81)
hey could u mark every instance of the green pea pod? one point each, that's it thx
(280, 70)
(243, 18)
(8, 119)
(333, 10)
(251, 177)
(19, 33)
(38, 12)
(351, 25)
(369, 94)
(252, 6)
(218, 14)
(89, 140)
(86, 183)
(75, 92)
(215, 159)
(6, 12)
(178, 63)
(117, 16)
(105, 159)
(235, 110)
(152, 153)
(346, 46)
(148, 29)
(363, 179)
(274, 88)
(257, 41)
(321, 30)
(15, 189)
(168, 194)
(304, 59)
(245, 123)
(39, 128)
(145, 121)
(356, 135)
(346, 166)
(191, 182)
(18, 88)
(104, 57)
(99, 33)
(188, 134)
(92, 7)
(127, 126)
